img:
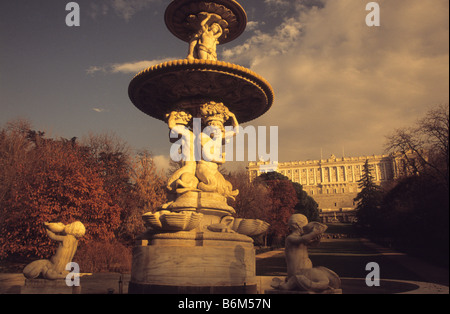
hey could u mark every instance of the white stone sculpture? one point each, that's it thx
(301, 275)
(203, 43)
(55, 268)
(183, 179)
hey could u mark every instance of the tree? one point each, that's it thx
(283, 199)
(53, 183)
(14, 146)
(253, 201)
(424, 146)
(130, 180)
(416, 218)
(149, 193)
(110, 157)
(368, 199)
(306, 204)
(417, 207)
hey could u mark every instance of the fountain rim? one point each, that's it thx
(201, 65)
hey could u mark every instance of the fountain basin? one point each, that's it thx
(188, 84)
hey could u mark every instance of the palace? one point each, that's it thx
(333, 182)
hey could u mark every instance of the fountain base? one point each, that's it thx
(192, 263)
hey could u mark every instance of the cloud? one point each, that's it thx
(100, 110)
(94, 69)
(341, 84)
(263, 45)
(253, 25)
(134, 67)
(124, 9)
(126, 67)
(162, 163)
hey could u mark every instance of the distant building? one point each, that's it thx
(333, 182)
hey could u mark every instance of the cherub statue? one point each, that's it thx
(214, 115)
(55, 268)
(301, 275)
(203, 44)
(184, 178)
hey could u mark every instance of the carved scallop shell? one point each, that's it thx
(169, 221)
(250, 227)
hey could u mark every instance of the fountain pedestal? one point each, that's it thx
(193, 263)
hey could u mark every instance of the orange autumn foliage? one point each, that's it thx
(50, 181)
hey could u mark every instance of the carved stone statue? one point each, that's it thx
(214, 115)
(202, 174)
(55, 268)
(301, 275)
(183, 179)
(203, 43)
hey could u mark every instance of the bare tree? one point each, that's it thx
(14, 148)
(148, 183)
(108, 143)
(424, 146)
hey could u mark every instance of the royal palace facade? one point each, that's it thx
(333, 182)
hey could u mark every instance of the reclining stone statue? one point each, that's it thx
(55, 268)
(301, 275)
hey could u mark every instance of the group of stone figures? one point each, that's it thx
(301, 275)
(202, 174)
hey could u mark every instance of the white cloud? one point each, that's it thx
(99, 110)
(339, 83)
(263, 45)
(162, 163)
(126, 67)
(134, 67)
(254, 25)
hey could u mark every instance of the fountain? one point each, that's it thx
(193, 243)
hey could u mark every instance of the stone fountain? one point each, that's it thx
(193, 243)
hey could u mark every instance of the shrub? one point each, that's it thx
(104, 256)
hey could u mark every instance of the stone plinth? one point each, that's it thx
(193, 262)
(45, 286)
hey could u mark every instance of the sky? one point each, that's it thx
(340, 86)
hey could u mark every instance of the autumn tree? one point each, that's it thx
(52, 183)
(283, 199)
(253, 199)
(110, 157)
(306, 204)
(14, 146)
(149, 193)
